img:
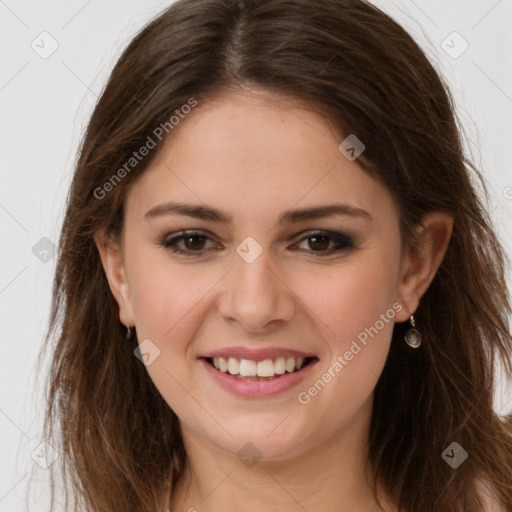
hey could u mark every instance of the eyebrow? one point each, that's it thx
(209, 213)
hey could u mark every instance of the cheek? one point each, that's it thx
(343, 302)
(355, 311)
(167, 296)
(351, 298)
(169, 308)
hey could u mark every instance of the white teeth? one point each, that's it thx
(290, 364)
(233, 366)
(265, 368)
(247, 368)
(223, 364)
(280, 366)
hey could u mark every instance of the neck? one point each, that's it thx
(330, 476)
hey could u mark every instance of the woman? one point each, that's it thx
(279, 288)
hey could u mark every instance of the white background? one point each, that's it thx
(44, 107)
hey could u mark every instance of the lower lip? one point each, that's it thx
(258, 388)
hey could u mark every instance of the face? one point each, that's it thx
(264, 272)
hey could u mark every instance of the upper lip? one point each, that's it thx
(256, 354)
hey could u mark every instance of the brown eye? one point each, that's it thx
(195, 243)
(187, 243)
(327, 242)
(319, 242)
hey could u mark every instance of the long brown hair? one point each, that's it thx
(119, 441)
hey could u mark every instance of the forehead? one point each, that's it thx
(254, 151)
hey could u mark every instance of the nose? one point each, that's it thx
(256, 296)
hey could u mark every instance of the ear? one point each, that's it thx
(422, 259)
(113, 264)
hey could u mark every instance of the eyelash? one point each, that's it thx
(344, 242)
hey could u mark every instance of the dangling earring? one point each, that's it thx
(412, 336)
(128, 332)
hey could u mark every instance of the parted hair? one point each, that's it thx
(119, 442)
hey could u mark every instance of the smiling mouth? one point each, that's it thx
(267, 369)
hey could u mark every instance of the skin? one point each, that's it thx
(254, 157)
